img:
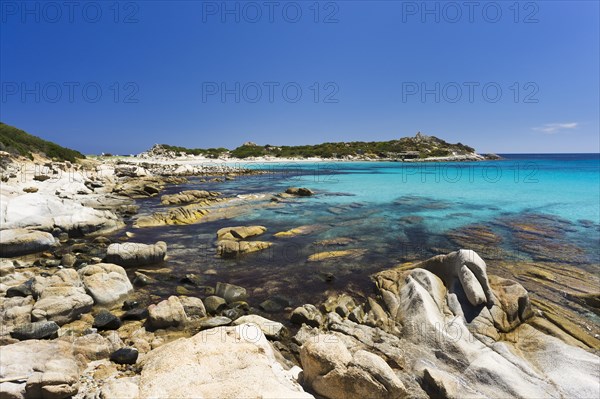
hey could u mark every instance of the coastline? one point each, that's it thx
(81, 211)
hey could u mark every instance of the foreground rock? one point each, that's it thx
(46, 370)
(136, 254)
(335, 373)
(167, 313)
(16, 242)
(224, 362)
(461, 333)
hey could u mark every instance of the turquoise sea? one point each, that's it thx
(530, 207)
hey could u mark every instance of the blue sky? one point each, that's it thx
(99, 77)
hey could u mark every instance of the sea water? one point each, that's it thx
(393, 212)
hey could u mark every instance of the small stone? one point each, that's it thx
(213, 322)
(135, 314)
(231, 292)
(22, 290)
(129, 304)
(68, 260)
(141, 279)
(233, 314)
(127, 355)
(30, 190)
(38, 330)
(192, 279)
(307, 314)
(214, 304)
(274, 304)
(181, 290)
(106, 321)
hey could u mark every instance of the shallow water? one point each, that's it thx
(396, 212)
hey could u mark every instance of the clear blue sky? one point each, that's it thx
(168, 63)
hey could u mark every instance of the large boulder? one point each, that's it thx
(47, 370)
(46, 212)
(108, 284)
(335, 373)
(16, 242)
(223, 362)
(271, 329)
(136, 254)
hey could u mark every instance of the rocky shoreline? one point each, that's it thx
(74, 322)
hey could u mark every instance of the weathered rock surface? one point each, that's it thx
(187, 197)
(136, 254)
(16, 242)
(108, 284)
(224, 362)
(48, 370)
(335, 373)
(61, 298)
(38, 330)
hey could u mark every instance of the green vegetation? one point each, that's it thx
(420, 146)
(18, 142)
(208, 152)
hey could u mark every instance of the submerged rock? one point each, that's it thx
(240, 232)
(187, 197)
(230, 292)
(299, 191)
(232, 249)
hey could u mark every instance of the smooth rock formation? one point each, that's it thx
(108, 284)
(136, 254)
(307, 314)
(16, 242)
(224, 362)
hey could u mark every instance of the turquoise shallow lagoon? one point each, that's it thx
(531, 208)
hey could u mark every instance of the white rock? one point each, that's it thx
(136, 254)
(108, 284)
(223, 362)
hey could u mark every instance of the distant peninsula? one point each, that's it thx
(420, 147)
